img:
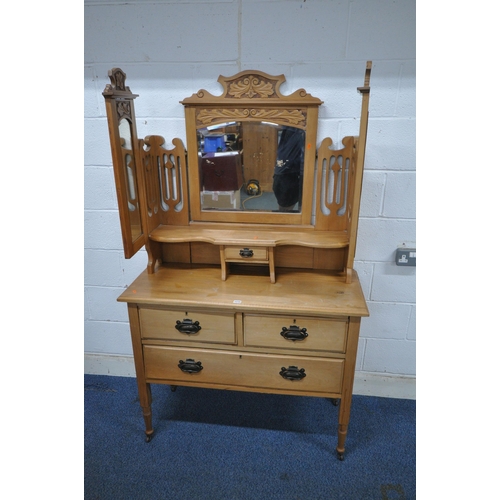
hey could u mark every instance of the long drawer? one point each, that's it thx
(240, 369)
(187, 326)
(295, 333)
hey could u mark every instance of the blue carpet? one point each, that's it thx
(214, 444)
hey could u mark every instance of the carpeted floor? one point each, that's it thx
(211, 444)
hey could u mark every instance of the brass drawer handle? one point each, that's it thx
(190, 366)
(294, 333)
(187, 326)
(246, 252)
(293, 373)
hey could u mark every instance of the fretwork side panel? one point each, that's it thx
(166, 182)
(334, 185)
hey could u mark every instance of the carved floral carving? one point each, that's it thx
(292, 116)
(123, 109)
(251, 87)
(295, 117)
(120, 80)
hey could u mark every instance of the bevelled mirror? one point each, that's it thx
(256, 166)
(251, 151)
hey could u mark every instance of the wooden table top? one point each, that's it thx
(296, 291)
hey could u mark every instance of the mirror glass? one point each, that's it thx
(130, 177)
(251, 166)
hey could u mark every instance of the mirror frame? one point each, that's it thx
(120, 106)
(251, 96)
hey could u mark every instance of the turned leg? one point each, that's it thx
(143, 387)
(344, 412)
(145, 399)
(342, 434)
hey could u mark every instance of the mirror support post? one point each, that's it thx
(359, 161)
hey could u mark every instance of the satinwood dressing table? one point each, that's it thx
(250, 233)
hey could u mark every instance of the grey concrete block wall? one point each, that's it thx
(170, 49)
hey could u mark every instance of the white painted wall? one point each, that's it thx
(170, 49)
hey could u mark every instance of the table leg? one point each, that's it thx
(145, 399)
(143, 387)
(342, 435)
(348, 383)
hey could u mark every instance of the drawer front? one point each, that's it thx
(319, 335)
(257, 253)
(247, 370)
(187, 326)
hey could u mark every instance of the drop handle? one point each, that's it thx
(190, 366)
(294, 333)
(246, 252)
(188, 326)
(293, 373)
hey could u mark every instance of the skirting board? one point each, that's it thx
(365, 383)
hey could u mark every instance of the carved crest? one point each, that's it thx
(117, 78)
(117, 85)
(252, 85)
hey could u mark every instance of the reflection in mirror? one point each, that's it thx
(130, 176)
(256, 166)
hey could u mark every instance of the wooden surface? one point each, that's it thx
(317, 293)
(250, 235)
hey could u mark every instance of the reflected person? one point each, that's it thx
(287, 178)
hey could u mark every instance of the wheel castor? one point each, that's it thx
(149, 437)
(173, 388)
(340, 456)
(335, 401)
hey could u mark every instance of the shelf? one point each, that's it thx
(251, 235)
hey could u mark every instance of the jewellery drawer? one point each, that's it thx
(295, 333)
(233, 369)
(187, 326)
(245, 254)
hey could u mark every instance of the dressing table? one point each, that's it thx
(250, 231)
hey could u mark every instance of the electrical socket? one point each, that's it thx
(406, 256)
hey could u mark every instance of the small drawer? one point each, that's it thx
(301, 333)
(187, 326)
(278, 373)
(246, 254)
